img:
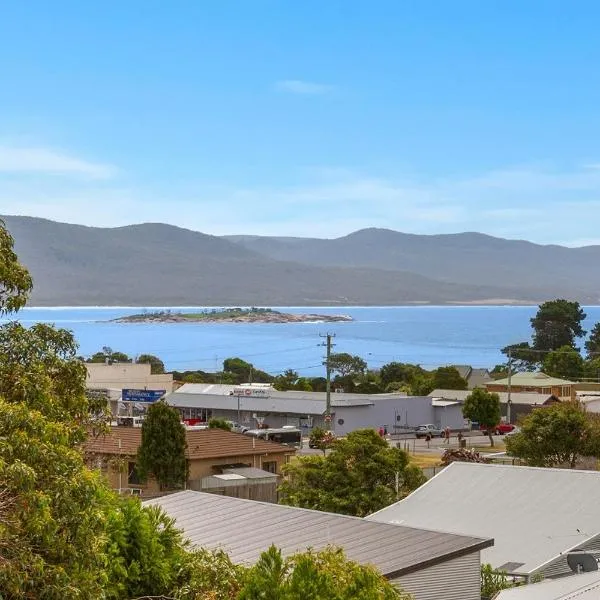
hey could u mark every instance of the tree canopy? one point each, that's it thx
(345, 364)
(360, 475)
(448, 378)
(15, 281)
(592, 345)
(162, 451)
(484, 408)
(566, 362)
(556, 324)
(216, 423)
(556, 435)
(157, 366)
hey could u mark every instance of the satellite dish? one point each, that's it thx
(581, 562)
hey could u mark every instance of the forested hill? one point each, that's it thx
(157, 265)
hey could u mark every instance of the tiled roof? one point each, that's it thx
(206, 443)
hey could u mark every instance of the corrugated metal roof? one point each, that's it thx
(585, 586)
(252, 473)
(245, 528)
(531, 380)
(533, 514)
(205, 443)
(528, 398)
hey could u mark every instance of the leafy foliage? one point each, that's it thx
(592, 345)
(157, 366)
(109, 356)
(162, 451)
(556, 324)
(556, 435)
(243, 372)
(312, 575)
(493, 582)
(358, 476)
(321, 439)
(15, 281)
(483, 407)
(448, 378)
(346, 364)
(565, 362)
(216, 423)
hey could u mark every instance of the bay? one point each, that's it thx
(427, 335)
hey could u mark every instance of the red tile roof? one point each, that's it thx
(206, 443)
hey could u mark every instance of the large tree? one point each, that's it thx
(157, 366)
(360, 475)
(15, 281)
(345, 364)
(592, 345)
(484, 408)
(448, 378)
(556, 324)
(555, 435)
(162, 451)
(565, 362)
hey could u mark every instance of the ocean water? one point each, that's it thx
(427, 335)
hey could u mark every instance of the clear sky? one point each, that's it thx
(311, 118)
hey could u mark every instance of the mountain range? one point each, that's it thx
(154, 264)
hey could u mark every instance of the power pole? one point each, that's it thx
(508, 400)
(327, 364)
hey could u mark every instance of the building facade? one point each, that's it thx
(119, 376)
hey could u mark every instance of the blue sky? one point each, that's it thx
(305, 118)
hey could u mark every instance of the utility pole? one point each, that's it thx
(327, 363)
(508, 400)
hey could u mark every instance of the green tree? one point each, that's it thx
(315, 575)
(484, 407)
(493, 582)
(565, 362)
(499, 371)
(286, 381)
(15, 281)
(556, 324)
(592, 344)
(110, 356)
(448, 378)
(369, 383)
(523, 357)
(245, 372)
(592, 368)
(555, 435)
(360, 475)
(321, 439)
(401, 372)
(346, 364)
(157, 366)
(215, 423)
(162, 451)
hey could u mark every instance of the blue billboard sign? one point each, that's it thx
(142, 395)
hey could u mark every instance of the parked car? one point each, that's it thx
(237, 427)
(500, 429)
(514, 431)
(432, 430)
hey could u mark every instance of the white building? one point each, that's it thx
(119, 376)
(585, 586)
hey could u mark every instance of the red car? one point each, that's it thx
(500, 429)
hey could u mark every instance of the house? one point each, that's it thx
(584, 586)
(538, 383)
(475, 377)
(429, 564)
(535, 515)
(253, 406)
(215, 459)
(521, 403)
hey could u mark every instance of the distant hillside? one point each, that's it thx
(156, 264)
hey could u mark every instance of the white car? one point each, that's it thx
(515, 430)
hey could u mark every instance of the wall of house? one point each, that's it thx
(126, 376)
(561, 391)
(456, 579)
(559, 567)
(202, 468)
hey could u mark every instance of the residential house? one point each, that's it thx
(538, 383)
(536, 516)
(583, 586)
(429, 564)
(475, 377)
(211, 453)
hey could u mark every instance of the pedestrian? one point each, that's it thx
(447, 435)
(459, 437)
(428, 438)
(385, 431)
(381, 432)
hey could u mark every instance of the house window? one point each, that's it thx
(133, 477)
(270, 466)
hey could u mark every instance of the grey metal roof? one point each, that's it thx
(245, 528)
(246, 403)
(585, 586)
(533, 514)
(528, 398)
(251, 473)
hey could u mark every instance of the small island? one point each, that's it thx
(230, 315)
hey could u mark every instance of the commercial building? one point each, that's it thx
(535, 516)
(538, 383)
(119, 376)
(521, 403)
(253, 406)
(429, 564)
(215, 459)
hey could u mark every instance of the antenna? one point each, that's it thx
(581, 562)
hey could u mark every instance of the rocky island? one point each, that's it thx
(230, 315)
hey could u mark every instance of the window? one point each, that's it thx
(270, 466)
(133, 477)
